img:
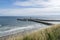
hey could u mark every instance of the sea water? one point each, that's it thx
(10, 24)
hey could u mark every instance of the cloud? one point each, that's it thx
(54, 3)
(51, 7)
(34, 3)
(38, 3)
(30, 11)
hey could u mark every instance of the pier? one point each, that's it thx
(38, 21)
(42, 21)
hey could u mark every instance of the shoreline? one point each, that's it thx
(21, 34)
(23, 30)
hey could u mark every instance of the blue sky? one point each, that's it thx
(29, 7)
(5, 3)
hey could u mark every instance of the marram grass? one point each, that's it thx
(51, 33)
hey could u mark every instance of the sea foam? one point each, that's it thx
(19, 29)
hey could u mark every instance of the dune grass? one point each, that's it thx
(50, 33)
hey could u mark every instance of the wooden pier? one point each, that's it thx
(38, 21)
(42, 21)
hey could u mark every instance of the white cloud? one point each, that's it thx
(49, 3)
(23, 4)
(54, 3)
(31, 3)
(30, 11)
(52, 7)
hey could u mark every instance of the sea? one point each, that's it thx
(10, 24)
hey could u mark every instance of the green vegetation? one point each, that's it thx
(51, 33)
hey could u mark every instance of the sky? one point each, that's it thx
(29, 7)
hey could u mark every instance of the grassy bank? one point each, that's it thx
(51, 33)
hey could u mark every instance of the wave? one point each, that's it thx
(0, 25)
(19, 29)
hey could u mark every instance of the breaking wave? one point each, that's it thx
(19, 29)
